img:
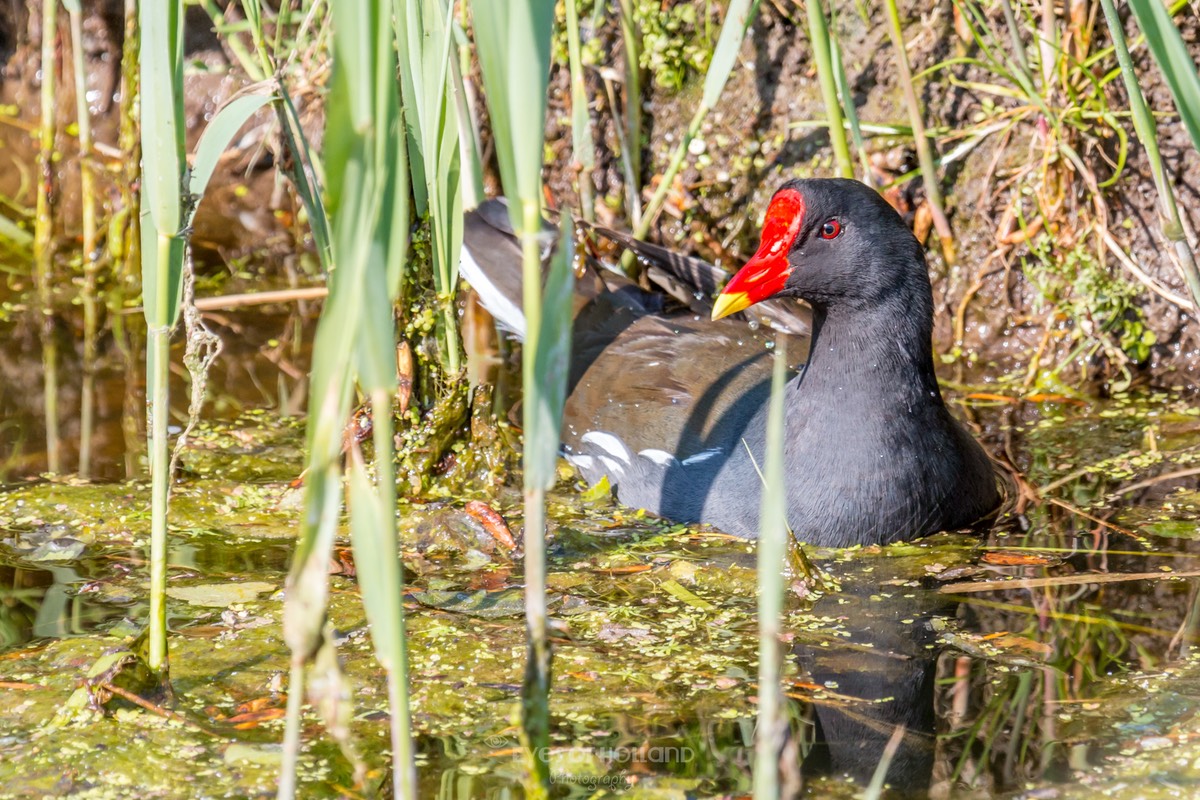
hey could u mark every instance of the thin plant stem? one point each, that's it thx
(1014, 33)
(847, 96)
(738, 16)
(535, 716)
(87, 192)
(44, 234)
(404, 771)
(130, 144)
(772, 554)
(818, 34)
(291, 732)
(933, 191)
(244, 57)
(650, 213)
(159, 351)
(469, 149)
(633, 112)
(583, 147)
(535, 707)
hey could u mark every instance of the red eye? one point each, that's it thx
(831, 229)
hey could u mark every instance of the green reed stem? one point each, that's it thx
(535, 696)
(582, 144)
(291, 732)
(161, 77)
(845, 91)
(632, 152)
(43, 243)
(159, 353)
(933, 189)
(87, 192)
(818, 34)
(772, 555)
(738, 17)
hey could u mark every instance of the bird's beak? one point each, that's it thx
(767, 272)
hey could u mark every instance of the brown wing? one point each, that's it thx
(678, 383)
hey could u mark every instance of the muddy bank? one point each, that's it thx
(764, 130)
(1042, 307)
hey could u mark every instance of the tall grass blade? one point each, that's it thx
(1170, 51)
(929, 176)
(772, 555)
(818, 34)
(87, 196)
(14, 235)
(1145, 126)
(368, 192)
(846, 93)
(738, 17)
(583, 145)
(469, 147)
(161, 75)
(631, 150)
(512, 40)
(380, 576)
(218, 134)
(425, 33)
(43, 244)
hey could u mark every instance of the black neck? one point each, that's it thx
(882, 351)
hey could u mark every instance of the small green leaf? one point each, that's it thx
(216, 138)
(738, 17)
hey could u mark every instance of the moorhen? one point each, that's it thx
(671, 405)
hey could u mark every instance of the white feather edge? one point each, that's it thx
(507, 314)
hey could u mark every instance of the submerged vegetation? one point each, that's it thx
(1026, 135)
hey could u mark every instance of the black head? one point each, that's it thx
(833, 242)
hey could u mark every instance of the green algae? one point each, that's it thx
(653, 624)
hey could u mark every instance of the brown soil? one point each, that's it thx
(751, 144)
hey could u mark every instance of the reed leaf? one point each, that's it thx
(772, 555)
(846, 93)
(14, 235)
(1171, 53)
(583, 144)
(365, 158)
(929, 176)
(215, 141)
(1146, 128)
(425, 35)
(819, 37)
(162, 117)
(551, 363)
(512, 40)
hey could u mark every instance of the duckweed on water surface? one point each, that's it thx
(654, 634)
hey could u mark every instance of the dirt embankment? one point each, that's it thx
(1014, 294)
(763, 133)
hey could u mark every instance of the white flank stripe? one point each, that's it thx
(510, 317)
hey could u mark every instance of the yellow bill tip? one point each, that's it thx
(730, 303)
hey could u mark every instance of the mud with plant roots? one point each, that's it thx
(1057, 652)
